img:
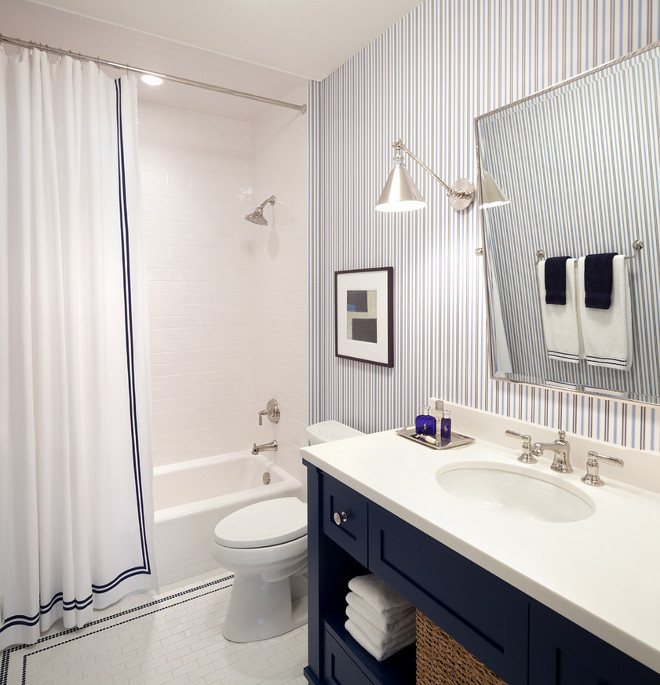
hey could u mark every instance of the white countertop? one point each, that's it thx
(602, 572)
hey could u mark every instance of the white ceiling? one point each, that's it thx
(308, 38)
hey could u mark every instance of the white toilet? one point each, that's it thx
(329, 431)
(265, 545)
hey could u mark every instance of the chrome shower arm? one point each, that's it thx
(270, 200)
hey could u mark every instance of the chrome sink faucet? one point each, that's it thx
(562, 450)
(266, 447)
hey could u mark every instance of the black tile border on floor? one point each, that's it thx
(6, 654)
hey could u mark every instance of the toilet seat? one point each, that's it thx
(263, 524)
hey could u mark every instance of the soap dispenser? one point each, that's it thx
(425, 423)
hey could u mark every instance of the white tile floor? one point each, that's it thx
(170, 637)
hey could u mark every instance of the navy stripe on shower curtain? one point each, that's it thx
(130, 365)
(145, 566)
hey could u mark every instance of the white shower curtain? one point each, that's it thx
(76, 513)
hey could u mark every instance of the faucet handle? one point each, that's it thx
(526, 457)
(562, 435)
(272, 411)
(591, 477)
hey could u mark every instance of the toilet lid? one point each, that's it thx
(263, 524)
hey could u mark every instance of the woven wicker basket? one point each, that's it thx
(442, 661)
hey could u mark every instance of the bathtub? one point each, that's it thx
(191, 497)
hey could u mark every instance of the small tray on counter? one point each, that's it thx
(437, 443)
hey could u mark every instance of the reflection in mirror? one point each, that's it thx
(579, 163)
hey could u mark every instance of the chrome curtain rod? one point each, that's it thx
(166, 77)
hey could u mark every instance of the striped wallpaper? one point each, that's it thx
(425, 80)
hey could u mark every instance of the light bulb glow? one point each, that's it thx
(152, 80)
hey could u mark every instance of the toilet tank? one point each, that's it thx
(328, 431)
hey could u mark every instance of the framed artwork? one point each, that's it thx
(363, 315)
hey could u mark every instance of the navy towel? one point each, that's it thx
(555, 280)
(598, 280)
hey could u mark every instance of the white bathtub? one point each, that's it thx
(191, 497)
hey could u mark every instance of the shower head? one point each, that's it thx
(257, 217)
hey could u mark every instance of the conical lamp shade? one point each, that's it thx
(491, 194)
(400, 193)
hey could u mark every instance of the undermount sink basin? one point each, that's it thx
(515, 491)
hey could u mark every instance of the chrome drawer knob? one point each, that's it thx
(340, 518)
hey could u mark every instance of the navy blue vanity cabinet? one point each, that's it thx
(521, 640)
(481, 612)
(338, 552)
(562, 653)
(338, 666)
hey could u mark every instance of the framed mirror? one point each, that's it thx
(580, 164)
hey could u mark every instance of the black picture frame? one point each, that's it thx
(364, 315)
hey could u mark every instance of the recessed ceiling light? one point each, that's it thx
(152, 80)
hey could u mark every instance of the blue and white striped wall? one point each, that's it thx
(425, 80)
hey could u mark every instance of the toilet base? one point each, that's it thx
(259, 610)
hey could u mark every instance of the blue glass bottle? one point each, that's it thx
(425, 423)
(445, 426)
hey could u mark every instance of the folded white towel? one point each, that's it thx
(376, 635)
(385, 623)
(379, 639)
(380, 652)
(607, 333)
(560, 321)
(378, 594)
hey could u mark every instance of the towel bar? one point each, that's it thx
(637, 245)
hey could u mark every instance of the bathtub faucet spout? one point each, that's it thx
(266, 447)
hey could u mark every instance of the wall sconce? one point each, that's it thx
(400, 193)
(491, 194)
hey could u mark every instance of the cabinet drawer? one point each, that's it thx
(344, 517)
(481, 612)
(338, 667)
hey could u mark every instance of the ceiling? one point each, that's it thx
(306, 38)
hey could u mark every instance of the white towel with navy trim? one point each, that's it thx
(561, 327)
(607, 333)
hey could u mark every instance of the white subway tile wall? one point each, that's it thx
(425, 80)
(227, 299)
(197, 175)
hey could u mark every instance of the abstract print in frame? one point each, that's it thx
(364, 315)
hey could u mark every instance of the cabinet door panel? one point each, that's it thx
(562, 653)
(481, 612)
(338, 500)
(338, 667)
